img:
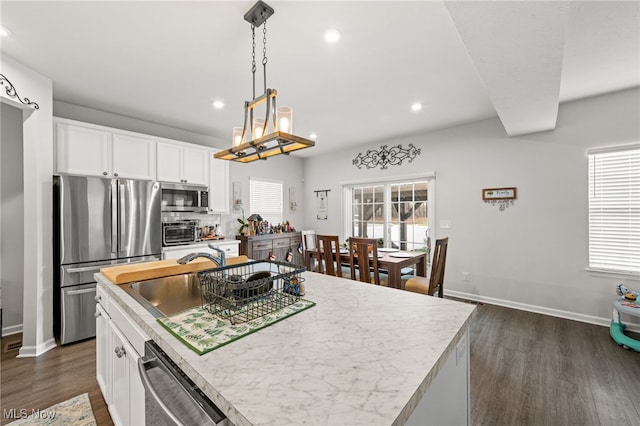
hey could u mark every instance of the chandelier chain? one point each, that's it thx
(264, 55)
(253, 58)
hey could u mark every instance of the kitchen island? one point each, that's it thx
(363, 355)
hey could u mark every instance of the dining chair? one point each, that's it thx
(308, 243)
(364, 267)
(308, 239)
(328, 247)
(435, 283)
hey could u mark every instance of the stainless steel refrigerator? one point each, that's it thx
(98, 222)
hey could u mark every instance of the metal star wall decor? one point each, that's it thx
(11, 92)
(393, 156)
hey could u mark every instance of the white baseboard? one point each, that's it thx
(12, 329)
(605, 322)
(34, 351)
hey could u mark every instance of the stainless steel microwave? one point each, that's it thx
(178, 197)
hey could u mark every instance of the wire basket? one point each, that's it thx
(247, 291)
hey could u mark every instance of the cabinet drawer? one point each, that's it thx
(261, 245)
(285, 242)
(102, 298)
(131, 330)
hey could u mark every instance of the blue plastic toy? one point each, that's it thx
(627, 303)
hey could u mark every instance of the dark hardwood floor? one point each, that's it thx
(532, 369)
(526, 369)
(55, 376)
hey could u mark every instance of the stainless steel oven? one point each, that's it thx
(180, 232)
(171, 398)
(184, 198)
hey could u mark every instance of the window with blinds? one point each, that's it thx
(614, 210)
(266, 200)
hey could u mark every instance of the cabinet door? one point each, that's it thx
(195, 169)
(103, 344)
(230, 250)
(169, 162)
(218, 184)
(177, 253)
(119, 352)
(136, 391)
(280, 248)
(134, 157)
(82, 150)
(259, 250)
(298, 257)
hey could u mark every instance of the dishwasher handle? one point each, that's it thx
(143, 362)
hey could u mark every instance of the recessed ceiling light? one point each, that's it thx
(218, 104)
(313, 136)
(4, 32)
(417, 106)
(332, 36)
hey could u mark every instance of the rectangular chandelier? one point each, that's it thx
(279, 121)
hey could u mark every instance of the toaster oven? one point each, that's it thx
(180, 232)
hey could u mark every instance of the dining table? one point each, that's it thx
(390, 259)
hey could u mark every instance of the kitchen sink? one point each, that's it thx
(167, 296)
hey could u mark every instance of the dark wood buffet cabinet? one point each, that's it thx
(259, 247)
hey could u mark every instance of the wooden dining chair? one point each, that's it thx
(328, 247)
(308, 239)
(435, 283)
(363, 260)
(308, 243)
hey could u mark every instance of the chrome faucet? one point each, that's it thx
(220, 261)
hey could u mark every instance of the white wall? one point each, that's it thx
(11, 220)
(37, 336)
(532, 255)
(288, 170)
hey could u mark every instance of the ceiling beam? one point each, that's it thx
(517, 48)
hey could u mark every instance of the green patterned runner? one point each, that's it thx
(203, 332)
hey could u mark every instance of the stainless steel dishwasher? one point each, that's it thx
(171, 398)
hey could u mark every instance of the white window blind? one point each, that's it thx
(614, 210)
(266, 200)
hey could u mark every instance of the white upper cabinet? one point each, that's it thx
(86, 149)
(169, 162)
(82, 150)
(196, 165)
(218, 184)
(134, 157)
(182, 163)
(92, 150)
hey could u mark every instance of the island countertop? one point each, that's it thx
(364, 355)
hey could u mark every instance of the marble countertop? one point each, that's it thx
(364, 355)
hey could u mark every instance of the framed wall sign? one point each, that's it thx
(489, 194)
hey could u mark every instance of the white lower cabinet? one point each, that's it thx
(119, 343)
(120, 353)
(103, 344)
(230, 247)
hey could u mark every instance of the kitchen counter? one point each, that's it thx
(363, 355)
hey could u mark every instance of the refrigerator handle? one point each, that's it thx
(114, 217)
(122, 218)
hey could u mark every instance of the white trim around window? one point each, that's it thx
(614, 210)
(347, 212)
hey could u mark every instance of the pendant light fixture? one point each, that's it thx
(262, 137)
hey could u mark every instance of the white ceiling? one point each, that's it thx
(166, 61)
